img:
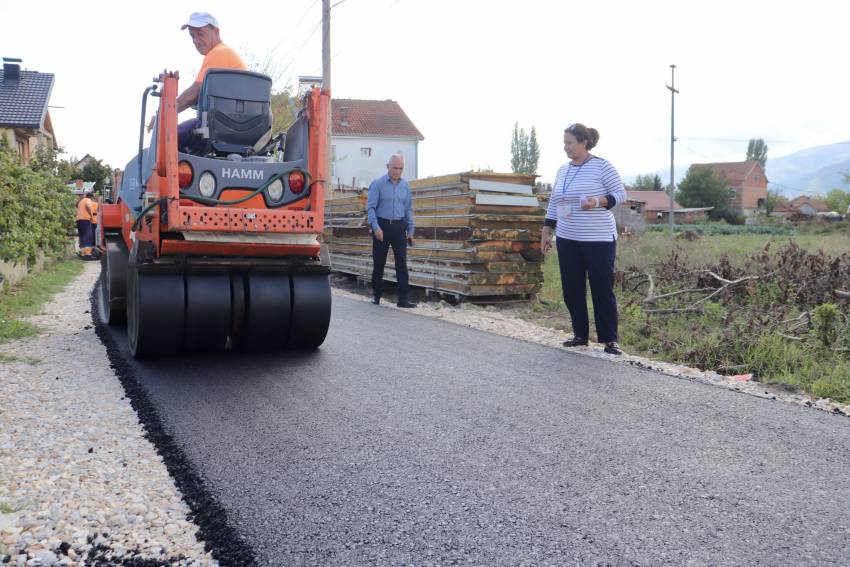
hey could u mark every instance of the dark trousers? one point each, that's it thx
(578, 261)
(395, 235)
(185, 134)
(84, 231)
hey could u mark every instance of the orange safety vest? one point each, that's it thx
(84, 209)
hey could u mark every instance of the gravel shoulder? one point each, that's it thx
(79, 482)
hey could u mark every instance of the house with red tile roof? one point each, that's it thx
(801, 206)
(656, 207)
(747, 184)
(364, 134)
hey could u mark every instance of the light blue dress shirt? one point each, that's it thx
(389, 200)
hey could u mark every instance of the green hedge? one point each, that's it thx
(712, 229)
(37, 211)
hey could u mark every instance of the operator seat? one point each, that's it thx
(234, 108)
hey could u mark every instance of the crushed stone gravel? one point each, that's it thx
(79, 482)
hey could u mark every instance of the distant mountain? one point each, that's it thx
(806, 172)
(810, 171)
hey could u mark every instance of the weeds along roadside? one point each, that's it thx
(28, 297)
(737, 304)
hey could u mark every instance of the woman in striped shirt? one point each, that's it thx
(585, 190)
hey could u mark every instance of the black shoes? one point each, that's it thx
(376, 300)
(613, 348)
(574, 342)
(406, 305)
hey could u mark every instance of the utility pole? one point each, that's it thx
(673, 93)
(326, 80)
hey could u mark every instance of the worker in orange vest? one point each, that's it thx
(84, 226)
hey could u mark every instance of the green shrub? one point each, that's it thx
(724, 229)
(826, 320)
(36, 209)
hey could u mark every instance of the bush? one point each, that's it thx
(724, 229)
(36, 209)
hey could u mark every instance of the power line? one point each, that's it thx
(729, 139)
(297, 25)
(294, 57)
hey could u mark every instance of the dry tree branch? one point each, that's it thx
(842, 293)
(674, 310)
(675, 293)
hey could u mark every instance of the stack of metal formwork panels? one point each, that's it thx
(477, 236)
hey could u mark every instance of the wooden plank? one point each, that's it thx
(499, 187)
(453, 179)
(508, 200)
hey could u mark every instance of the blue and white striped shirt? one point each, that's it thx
(594, 178)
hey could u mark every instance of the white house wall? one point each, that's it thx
(352, 167)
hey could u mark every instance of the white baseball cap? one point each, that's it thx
(199, 20)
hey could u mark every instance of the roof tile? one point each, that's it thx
(734, 172)
(372, 118)
(655, 200)
(24, 103)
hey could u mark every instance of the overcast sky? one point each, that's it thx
(466, 70)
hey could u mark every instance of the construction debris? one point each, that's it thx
(477, 236)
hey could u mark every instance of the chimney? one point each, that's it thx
(343, 116)
(11, 69)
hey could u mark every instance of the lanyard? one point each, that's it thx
(578, 169)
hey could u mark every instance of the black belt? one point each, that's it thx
(390, 221)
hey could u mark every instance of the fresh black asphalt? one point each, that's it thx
(406, 440)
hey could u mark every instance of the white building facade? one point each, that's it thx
(365, 134)
(357, 161)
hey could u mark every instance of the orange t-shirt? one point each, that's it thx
(220, 57)
(94, 212)
(84, 209)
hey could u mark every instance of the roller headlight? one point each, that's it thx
(206, 184)
(275, 189)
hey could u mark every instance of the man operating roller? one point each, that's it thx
(204, 31)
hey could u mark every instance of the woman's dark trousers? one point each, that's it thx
(578, 261)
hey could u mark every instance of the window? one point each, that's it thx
(21, 146)
(366, 152)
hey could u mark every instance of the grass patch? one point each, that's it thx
(30, 295)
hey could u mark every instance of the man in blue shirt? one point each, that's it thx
(389, 209)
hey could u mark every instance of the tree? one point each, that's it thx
(837, 200)
(648, 182)
(525, 153)
(516, 159)
(702, 188)
(284, 110)
(96, 171)
(773, 200)
(533, 152)
(757, 151)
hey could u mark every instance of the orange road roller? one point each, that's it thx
(215, 245)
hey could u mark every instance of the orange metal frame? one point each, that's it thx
(184, 215)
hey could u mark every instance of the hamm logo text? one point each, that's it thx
(237, 173)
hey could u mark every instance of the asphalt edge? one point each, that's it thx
(214, 530)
